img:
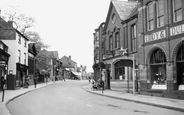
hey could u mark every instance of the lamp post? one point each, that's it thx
(133, 74)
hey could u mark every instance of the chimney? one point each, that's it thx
(10, 23)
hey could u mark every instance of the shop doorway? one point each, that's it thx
(180, 67)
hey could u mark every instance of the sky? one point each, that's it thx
(66, 25)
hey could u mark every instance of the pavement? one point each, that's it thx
(174, 104)
(168, 103)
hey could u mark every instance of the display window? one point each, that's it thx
(158, 69)
(180, 67)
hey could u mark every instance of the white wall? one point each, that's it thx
(13, 47)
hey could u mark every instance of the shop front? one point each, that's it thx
(21, 75)
(158, 70)
(180, 67)
(4, 56)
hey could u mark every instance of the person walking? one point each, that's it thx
(35, 81)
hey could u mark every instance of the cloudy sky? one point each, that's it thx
(66, 25)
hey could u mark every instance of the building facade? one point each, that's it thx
(99, 51)
(161, 47)
(119, 42)
(4, 57)
(18, 48)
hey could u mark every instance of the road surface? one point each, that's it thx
(68, 98)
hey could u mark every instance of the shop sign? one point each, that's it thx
(177, 30)
(2, 63)
(155, 36)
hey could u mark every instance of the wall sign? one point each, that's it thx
(177, 30)
(155, 36)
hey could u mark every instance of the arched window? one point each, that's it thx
(180, 55)
(157, 57)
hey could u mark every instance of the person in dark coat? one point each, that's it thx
(3, 81)
(35, 81)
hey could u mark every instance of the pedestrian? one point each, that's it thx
(89, 79)
(35, 81)
(27, 82)
(3, 82)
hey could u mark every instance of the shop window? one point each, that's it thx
(180, 67)
(177, 10)
(158, 69)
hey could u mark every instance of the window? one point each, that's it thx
(134, 35)
(160, 13)
(25, 58)
(25, 43)
(111, 43)
(117, 36)
(19, 39)
(19, 55)
(150, 16)
(177, 10)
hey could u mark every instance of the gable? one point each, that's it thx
(121, 9)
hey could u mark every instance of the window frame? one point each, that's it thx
(19, 38)
(19, 56)
(134, 37)
(150, 20)
(25, 58)
(174, 10)
(117, 39)
(159, 16)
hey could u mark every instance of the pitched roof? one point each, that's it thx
(124, 8)
(54, 54)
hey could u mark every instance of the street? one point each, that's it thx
(68, 98)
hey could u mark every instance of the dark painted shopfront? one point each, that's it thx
(3, 61)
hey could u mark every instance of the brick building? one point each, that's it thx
(161, 47)
(117, 43)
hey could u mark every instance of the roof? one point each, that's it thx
(54, 54)
(124, 8)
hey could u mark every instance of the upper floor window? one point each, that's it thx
(19, 39)
(133, 35)
(25, 43)
(160, 13)
(111, 43)
(150, 16)
(25, 58)
(177, 10)
(19, 56)
(117, 37)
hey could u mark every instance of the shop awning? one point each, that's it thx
(75, 73)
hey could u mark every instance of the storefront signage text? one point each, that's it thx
(177, 30)
(155, 36)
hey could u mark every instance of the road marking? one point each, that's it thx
(89, 105)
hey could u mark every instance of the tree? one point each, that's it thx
(35, 37)
(23, 23)
(20, 21)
